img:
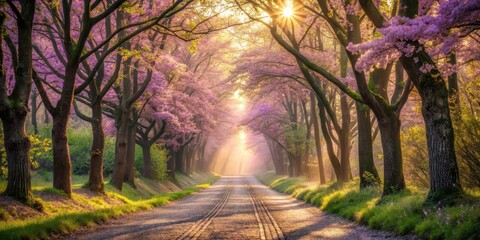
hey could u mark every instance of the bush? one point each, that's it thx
(415, 154)
(467, 140)
(468, 149)
(159, 159)
(80, 143)
(40, 150)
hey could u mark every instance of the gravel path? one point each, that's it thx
(235, 207)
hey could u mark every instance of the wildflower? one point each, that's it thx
(425, 212)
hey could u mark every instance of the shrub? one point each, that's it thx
(40, 150)
(80, 143)
(414, 147)
(159, 158)
(467, 145)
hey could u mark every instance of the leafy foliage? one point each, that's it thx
(415, 156)
(40, 150)
(467, 130)
(404, 212)
(159, 158)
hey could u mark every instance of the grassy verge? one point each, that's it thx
(403, 213)
(42, 227)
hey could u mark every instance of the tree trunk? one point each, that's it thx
(297, 167)
(201, 166)
(330, 151)
(274, 156)
(171, 163)
(130, 163)
(392, 154)
(17, 147)
(180, 159)
(34, 111)
(147, 161)
(14, 108)
(95, 180)
(318, 145)
(444, 176)
(291, 170)
(282, 159)
(344, 139)
(62, 165)
(190, 155)
(367, 171)
(46, 119)
(193, 162)
(121, 142)
(453, 94)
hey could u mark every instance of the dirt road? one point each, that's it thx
(235, 207)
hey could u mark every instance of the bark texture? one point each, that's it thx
(14, 107)
(367, 171)
(95, 180)
(392, 154)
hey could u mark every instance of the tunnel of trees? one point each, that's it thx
(386, 91)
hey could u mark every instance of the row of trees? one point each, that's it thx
(343, 70)
(383, 51)
(137, 63)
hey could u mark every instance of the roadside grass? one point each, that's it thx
(64, 220)
(402, 213)
(43, 179)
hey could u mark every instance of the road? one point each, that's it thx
(235, 207)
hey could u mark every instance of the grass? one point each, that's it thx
(64, 220)
(402, 213)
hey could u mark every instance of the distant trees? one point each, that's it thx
(98, 58)
(88, 52)
(159, 74)
(386, 111)
(334, 109)
(375, 77)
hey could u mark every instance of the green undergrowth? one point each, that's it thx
(403, 213)
(60, 222)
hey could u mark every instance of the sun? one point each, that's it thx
(239, 99)
(288, 11)
(242, 135)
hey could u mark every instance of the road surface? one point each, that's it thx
(235, 207)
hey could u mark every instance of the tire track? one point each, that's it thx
(196, 230)
(267, 225)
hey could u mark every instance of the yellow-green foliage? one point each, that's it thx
(41, 148)
(466, 123)
(159, 156)
(403, 213)
(4, 215)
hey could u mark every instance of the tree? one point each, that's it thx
(347, 28)
(14, 102)
(70, 26)
(427, 78)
